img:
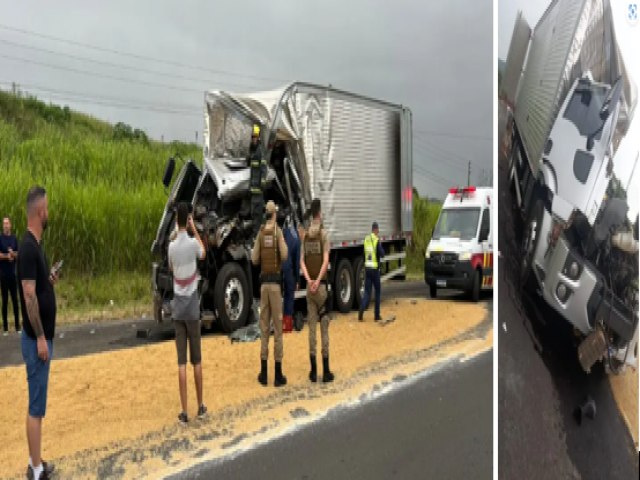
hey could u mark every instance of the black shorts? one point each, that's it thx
(188, 331)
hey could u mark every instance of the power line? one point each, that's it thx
(449, 153)
(125, 106)
(453, 135)
(127, 101)
(434, 176)
(116, 65)
(429, 152)
(136, 56)
(94, 74)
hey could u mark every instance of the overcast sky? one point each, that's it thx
(435, 57)
(628, 36)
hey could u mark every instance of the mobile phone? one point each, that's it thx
(56, 267)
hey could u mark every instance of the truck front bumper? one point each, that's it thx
(456, 274)
(574, 288)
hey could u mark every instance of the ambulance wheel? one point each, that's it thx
(359, 274)
(475, 288)
(232, 297)
(344, 286)
(433, 291)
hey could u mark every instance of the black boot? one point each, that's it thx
(262, 376)
(313, 374)
(360, 315)
(327, 376)
(280, 379)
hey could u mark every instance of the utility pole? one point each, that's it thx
(469, 175)
(196, 136)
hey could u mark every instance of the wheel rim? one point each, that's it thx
(233, 299)
(345, 286)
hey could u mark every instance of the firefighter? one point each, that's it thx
(257, 178)
(314, 261)
(269, 251)
(373, 253)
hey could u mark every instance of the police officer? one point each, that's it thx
(373, 253)
(257, 178)
(269, 251)
(314, 262)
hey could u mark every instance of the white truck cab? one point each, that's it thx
(460, 253)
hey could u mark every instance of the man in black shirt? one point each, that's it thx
(38, 303)
(8, 256)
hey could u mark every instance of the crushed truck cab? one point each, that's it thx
(460, 253)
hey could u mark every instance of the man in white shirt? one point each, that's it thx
(184, 251)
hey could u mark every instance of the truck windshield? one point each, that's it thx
(459, 223)
(584, 108)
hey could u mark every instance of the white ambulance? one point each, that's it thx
(460, 253)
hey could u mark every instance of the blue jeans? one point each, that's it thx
(372, 278)
(289, 291)
(37, 375)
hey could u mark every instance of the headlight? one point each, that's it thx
(464, 256)
(427, 254)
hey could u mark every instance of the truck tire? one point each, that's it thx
(475, 287)
(358, 275)
(530, 238)
(433, 291)
(344, 286)
(232, 297)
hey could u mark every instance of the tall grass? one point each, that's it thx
(425, 216)
(105, 195)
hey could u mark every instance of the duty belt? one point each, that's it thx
(271, 278)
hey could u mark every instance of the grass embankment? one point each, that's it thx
(105, 198)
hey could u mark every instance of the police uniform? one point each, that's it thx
(269, 251)
(314, 245)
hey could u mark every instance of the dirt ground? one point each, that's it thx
(99, 403)
(625, 391)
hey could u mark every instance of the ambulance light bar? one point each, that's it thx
(458, 190)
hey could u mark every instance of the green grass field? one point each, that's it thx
(105, 196)
(105, 200)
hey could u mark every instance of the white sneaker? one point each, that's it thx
(5, 333)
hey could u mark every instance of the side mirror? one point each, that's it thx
(168, 172)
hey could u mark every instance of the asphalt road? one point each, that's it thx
(439, 426)
(83, 339)
(541, 382)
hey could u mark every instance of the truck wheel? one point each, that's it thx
(344, 286)
(232, 297)
(433, 291)
(475, 288)
(530, 238)
(359, 273)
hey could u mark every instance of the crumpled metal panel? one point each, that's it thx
(346, 151)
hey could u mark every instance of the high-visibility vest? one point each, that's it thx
(371, 251)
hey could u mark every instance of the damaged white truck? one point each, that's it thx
(572, 102)
(352, 152)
